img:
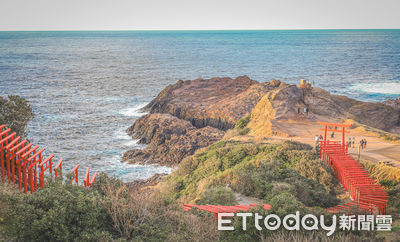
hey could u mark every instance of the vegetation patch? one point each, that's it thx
(241, 125)
(15, 113)
(258, 170)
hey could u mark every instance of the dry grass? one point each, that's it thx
(146, 214)
(260, 117)
(125, 210)
(382, 172)
(374, 132)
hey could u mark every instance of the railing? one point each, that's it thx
(22, 163)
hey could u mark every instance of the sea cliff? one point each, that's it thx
(193, 114)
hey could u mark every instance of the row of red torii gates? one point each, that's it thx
(365, 193)
(22, 163)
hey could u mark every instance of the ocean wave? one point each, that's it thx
(387, 88)
(134, 111)
(122, 135)
(129, 172)
(128, 141)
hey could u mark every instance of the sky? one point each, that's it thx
(197, 15)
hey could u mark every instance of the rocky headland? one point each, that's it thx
(193, 114)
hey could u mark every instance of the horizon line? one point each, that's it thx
(82, 30)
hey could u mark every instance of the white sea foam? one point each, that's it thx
(127, 140)
(389, 88)
(134, 111)
(122, 135)
(133, 142)
(129, 172)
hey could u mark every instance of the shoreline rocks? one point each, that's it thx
(216, 102)
(190, 115)
(169, 139)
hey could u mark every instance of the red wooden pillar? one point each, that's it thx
(93, 179)
(25, 168)
(86, 179)
(20, 161)
(2, 153)
(10, 159)
(4, 143)
(343, 138)
(325, 133)
(74, 172)
(34, 160)
(49, 163)
(58, 168)
(13, 151)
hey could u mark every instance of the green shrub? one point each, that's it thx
(111, 210)
(255, 170)
(394, 200)
(217, 196)
(244, 131)
(242, 123)
(388, 184)
(57, 213)
(15, 112)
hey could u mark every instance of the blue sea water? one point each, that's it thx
(86, 87)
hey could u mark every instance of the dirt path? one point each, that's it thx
(377, 149)
(244, 200)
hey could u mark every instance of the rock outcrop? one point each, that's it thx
(285, 102)
(193, 114)
(216, 102)
(169, 139)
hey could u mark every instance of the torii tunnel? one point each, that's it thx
(365, 192)
(22, 164)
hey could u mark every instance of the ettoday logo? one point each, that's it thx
(307, 222)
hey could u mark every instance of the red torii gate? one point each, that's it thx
(334, 129)
(28, 160)
(363, 189)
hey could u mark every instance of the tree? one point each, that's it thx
(15, 113)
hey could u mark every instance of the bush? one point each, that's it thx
(57, 213)
(254, 170)
(15, 113)
(242, 123)
(240, 126)
(108, 211)
(244, 131)
(217, 196)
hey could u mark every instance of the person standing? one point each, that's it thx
(362, 143)
(354, 142)
(306, 111)
(365, 143)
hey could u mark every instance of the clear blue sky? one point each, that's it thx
(199, 14)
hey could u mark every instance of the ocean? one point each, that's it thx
(87, 87)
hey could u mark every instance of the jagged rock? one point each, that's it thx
(169, 139)
(190, 115)
(216, 102)
(284, 102)
(141, 183)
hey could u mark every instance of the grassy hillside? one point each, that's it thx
(258, 170)
(286, 175)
